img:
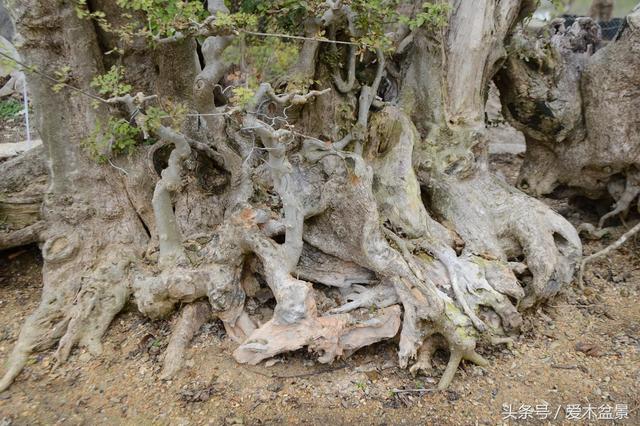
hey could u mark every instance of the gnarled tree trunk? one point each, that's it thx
(577, 103)
(390, 202)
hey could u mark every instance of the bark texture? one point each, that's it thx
(387, 201)
(576, 100)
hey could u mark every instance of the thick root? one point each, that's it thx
(21, 237)
(191, 318)
(95, 307)
(379, 296)
(71, 312)
(319, 267)
(499, 222)
(331, 336)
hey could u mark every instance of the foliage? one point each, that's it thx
(118, 137)
(371, 17)
(124, 135)
(111, 84)
(163, 17)
(62, 76)
(172, 115)
(281, 15)
(265, 59)
(235, 21)
(153, 118)
(242, 96)
(10, 108)
(82, 10)
(166, 17)
(434, 15)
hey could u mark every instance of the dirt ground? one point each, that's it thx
(579, 356)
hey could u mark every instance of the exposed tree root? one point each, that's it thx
(72, 311)
(619, 242)
(330, 336)
(516, 225)
(593, 232)
(297, 211)
(319, 267)
(192, 316)
(449, 301)
(630, 193)
(23, 236)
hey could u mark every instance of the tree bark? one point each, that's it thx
(576, 102)
(326, 186)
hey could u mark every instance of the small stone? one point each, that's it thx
(373, 375)
(85, 357)
(274, 387)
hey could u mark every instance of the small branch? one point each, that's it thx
(414, 390)
(265, 90)
(630, 193)
(404, 44)
(593, 232)
(346, 86)
(205, 29)
(171, 249)
(367, 96)
(281, 169)
(564, 367)
(630, 233)
(318, 39)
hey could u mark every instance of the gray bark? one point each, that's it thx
(300, 212)
(576, 102)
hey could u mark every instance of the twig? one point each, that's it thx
(630, 233)
(53, 79)
(564, 367)
(414, 390)
(118, 168)
(321, 40)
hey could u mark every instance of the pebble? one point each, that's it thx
(274, 387)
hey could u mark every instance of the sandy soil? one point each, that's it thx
(583, 348)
